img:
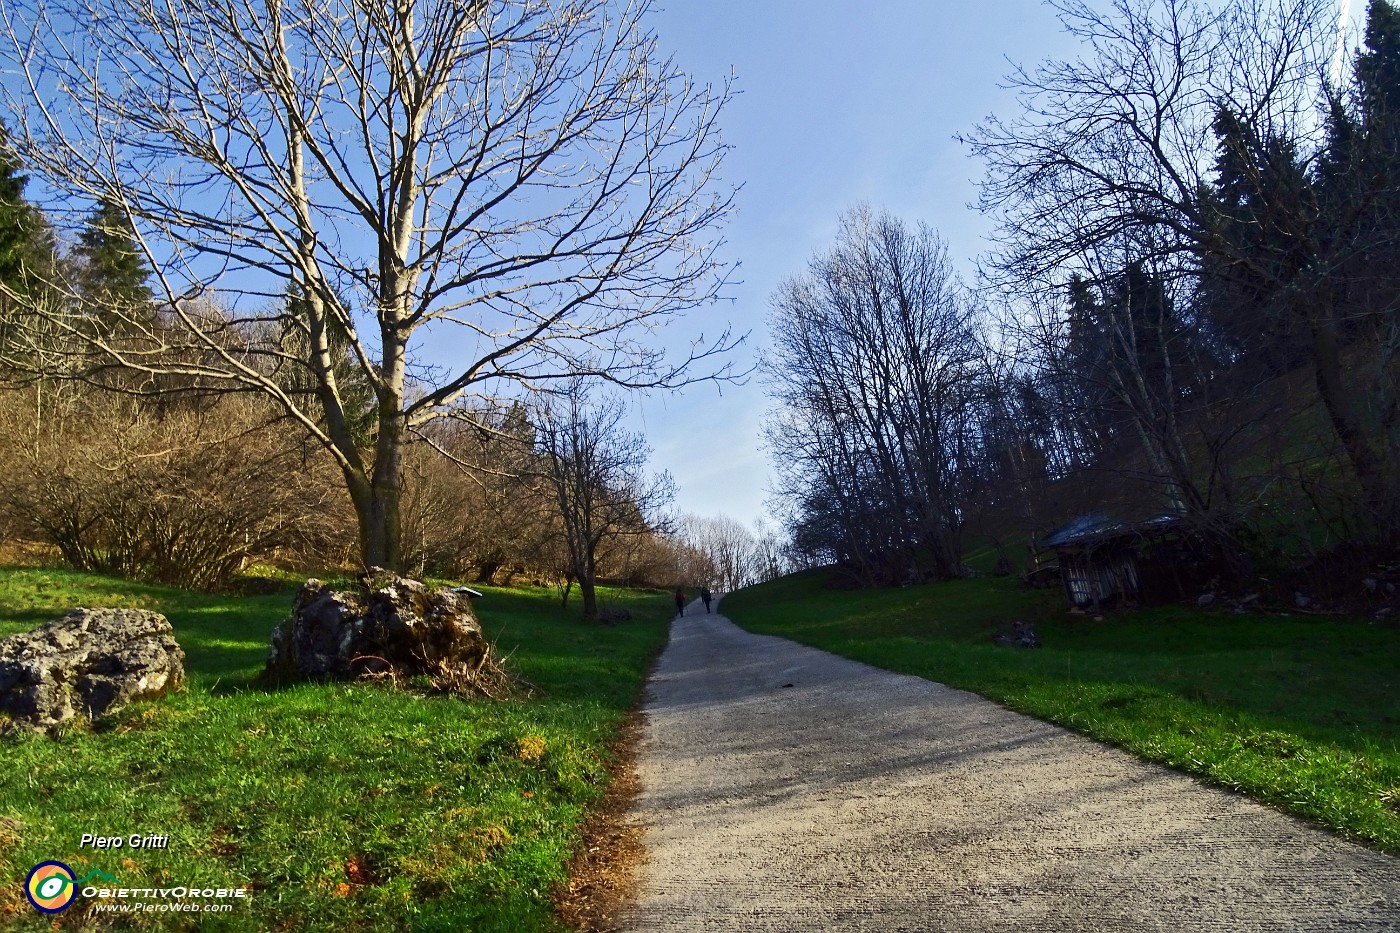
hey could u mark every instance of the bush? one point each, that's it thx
(182, 495)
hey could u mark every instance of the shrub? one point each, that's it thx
(183, 495)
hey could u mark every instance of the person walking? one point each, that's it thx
(705, 595)
(680, 601)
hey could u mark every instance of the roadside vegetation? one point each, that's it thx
(1296, 711)
(344, 806)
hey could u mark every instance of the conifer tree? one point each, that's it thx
(1378, 73)
(27, 263)
(1365, 202)
(1264, 210)
(1300, 265)
(1086, 369)
(112, 272)
(356, 392)
(16, 215)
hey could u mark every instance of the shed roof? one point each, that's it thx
(1098, 527)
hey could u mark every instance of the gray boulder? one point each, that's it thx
(397, 626)
(89, 663)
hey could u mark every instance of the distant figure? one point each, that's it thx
(705, 595)
(680, 601)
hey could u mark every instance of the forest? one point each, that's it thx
(1190, 313)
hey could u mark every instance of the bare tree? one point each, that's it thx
(1119, 143)
(597, 472)
(772, 552)
(526, 186)
(873, 365)
(731, 552)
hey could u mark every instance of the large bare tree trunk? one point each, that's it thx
(588, 590)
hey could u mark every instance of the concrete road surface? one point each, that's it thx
(787, 789)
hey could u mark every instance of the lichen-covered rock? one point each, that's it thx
(398, 626)
(414, 623)
(88, 663)
(317, 639)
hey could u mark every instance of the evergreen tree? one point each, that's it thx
(27, 264)
(1358, 178)
(26, 244)
(295, 343)
(112, 273)
(1378, 76)
(1341, 155)
(17, 217)
(1300, 265)
(1264, 214)
(1085, 373)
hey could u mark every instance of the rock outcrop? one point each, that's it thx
(89, 663)
(397, 627)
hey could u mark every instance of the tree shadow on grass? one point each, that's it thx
(226, 642)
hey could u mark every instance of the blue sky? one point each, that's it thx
(838, 103)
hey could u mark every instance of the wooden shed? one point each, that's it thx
(1105, 561)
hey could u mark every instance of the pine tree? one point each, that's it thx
(1086, 370)
(27, 254)
(1359, 179)
(357, 394)
(25, 242)
(16, 215)
(1262, 212)
(1378, 75)
(1300, 264)
(112, 274)
(1339, 157)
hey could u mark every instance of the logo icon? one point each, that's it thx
(51, 887)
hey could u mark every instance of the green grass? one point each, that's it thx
(1299, 712)
(345, 806)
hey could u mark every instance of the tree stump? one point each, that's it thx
(396, 628)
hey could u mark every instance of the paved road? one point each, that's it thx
(787, 789)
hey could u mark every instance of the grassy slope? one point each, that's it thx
(348, 807)
(1300, 712)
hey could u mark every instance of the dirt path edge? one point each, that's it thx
(602, 875)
